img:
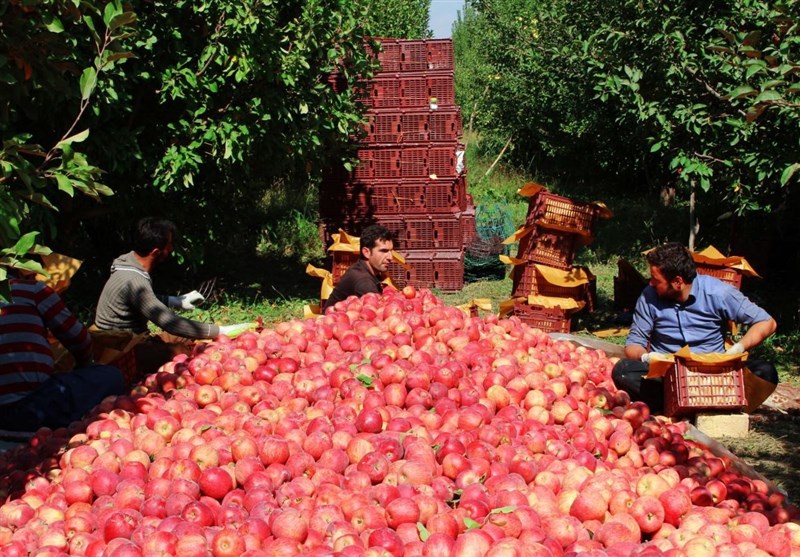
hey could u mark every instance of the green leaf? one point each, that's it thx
(504, 510)
(25, 243)
(77, 138)
(53, 24)
(656, 147)
(64, 184)
(120, 20)
(88, 82)
(769, 96)
(424, 534)
(788, 172)
(366, 380)
(471, 524)
(742, 91)
(29, 265)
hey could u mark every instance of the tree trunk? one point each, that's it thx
(694, 225)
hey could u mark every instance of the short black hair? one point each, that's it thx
(152, 233)
(372, 234)
(673, 260)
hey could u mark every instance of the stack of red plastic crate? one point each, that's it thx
(558, 227)
(410, 176)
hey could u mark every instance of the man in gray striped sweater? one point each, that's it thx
(128, 302)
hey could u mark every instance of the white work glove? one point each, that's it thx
(646, 357)
(186, 301)
(236, 329)
(737, 348)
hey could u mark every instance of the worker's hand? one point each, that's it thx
(186, 301)
(237, 329)
(646, 357)
(737, 348)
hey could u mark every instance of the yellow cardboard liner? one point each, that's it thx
(660, 364)
(476, 303)
(554, 302)
(712, 256)
(61, 270)
(569, 278)
(327, 280)
(530, 189)
(518, 234)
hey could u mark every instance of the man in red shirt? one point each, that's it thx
(31, 394)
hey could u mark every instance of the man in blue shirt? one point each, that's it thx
(681, 308)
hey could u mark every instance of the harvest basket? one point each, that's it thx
(549, 320)
(725, 274)
(688, 390)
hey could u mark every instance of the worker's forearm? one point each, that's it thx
(757, 333)
(634, 351)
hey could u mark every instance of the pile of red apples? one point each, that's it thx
(393, 425)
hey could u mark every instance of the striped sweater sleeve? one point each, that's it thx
(153, 309)
(63, 323)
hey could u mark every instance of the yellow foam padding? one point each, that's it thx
(61, 270)
(570, 278)
(530, 189)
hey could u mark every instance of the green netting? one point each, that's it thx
(493, 225)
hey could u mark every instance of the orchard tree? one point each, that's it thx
(715, 88)
(52, 58)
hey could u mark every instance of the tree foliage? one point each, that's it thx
(644, 94)
(52, 58)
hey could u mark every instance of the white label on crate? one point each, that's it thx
(459, 162)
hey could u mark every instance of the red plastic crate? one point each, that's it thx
(383, 91)
(437, 232)
(440, 54)
(389, 54)
(410, 90)
(414, 125)
(552, 248)
(688, 390)
(341, 261)
(444, 124)
(414, 55)
(430, 269)
(552, 210)
(434, 159)
(549, 320)
(725, 274)
(383, 126)
(378, 162)
(469, 230)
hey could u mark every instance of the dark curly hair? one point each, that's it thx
(371, 234)
(673, 260)
(152, 233)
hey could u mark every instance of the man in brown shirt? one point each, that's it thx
(365, 275)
